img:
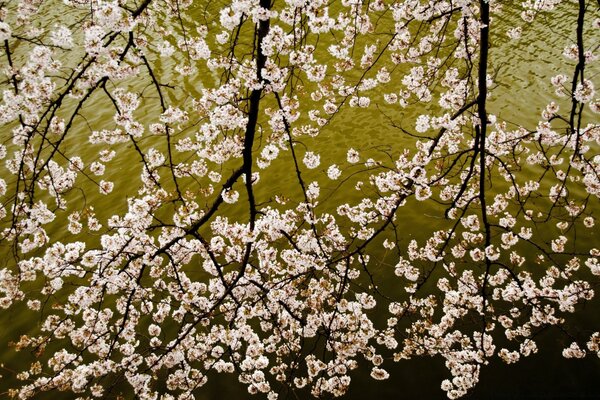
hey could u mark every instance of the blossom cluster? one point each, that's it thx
(175, 202)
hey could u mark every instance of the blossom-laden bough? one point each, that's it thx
(144, 226)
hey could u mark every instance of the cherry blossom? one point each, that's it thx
(185, 192)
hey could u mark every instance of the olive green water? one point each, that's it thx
(523, 90)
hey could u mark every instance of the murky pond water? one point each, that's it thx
(523, 90)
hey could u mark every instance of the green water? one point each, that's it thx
(523, 90)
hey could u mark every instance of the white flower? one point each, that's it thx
(573, 351)
(269, 152)
(230, 196)
(383, 76)
(571, 52)
(422, 193)
(93, 39)
(379, 374)
(388, 244)
(214, 176)
(34, 304)
(97, 168)
(559, 80)
(352, 156)
(312, 192)
(558, 245)
(514, 33)
(74, 225)
(390, 98)
(222, 37)
(166, 49)
(311, 160)
(364, 102)
(174, 115)
(422, 124)
(154, 330)
(107, 155)
(106, 187)
(333, 172)
(584, 92)
(476, 254)
(492, 253)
